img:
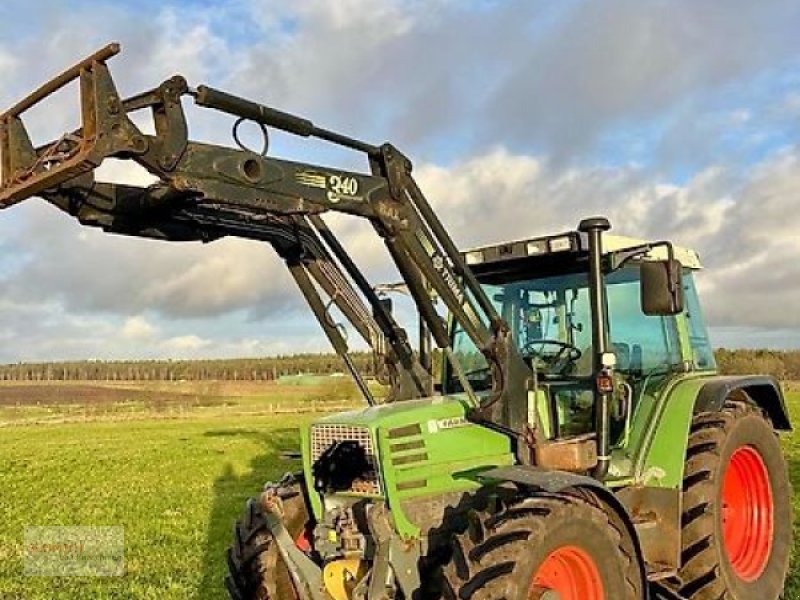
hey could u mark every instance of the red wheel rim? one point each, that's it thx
(747, 514)
(571, 573)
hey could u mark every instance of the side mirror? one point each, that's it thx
(662, 287)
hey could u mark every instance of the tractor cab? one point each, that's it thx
(542, 288)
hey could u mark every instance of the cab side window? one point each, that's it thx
(643, 344)
(702, 351)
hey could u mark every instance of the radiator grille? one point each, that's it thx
(323, 436)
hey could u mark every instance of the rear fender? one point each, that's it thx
(764, 390)
(661, 460)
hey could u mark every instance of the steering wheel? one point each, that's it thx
(566, 353)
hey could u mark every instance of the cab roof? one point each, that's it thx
(574, 242)
(686, 256)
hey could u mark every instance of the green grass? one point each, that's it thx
(791, 444)
(175, 484)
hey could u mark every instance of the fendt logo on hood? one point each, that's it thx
(435, 426)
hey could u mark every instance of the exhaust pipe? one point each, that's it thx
(602, 365)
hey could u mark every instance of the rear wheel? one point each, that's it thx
(542, 547)
(737, 512)
(255, 568)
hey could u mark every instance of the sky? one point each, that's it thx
(676, 119)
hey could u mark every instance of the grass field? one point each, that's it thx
(173, 472)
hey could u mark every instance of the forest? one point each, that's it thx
(783, 364)
(240, 369)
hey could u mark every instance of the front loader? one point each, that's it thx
(577, 442)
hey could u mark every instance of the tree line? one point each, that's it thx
(240, 369)
(784, 365)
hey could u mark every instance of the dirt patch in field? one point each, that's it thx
(87, 394)
(160, 395)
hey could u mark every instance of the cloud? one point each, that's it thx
(756, 254)
(743, 225)
(40, 40)
(405, 69)
(90, 271)
(138, 328)
(445, 78)
(45, 331)
(503, 106)
(546, 76)
(40, 330)
(541, 77)
(611, 62)
(185, 343)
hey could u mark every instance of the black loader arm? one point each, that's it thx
(207, 191)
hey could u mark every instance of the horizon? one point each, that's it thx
(323, 353)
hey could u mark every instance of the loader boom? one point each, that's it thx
(207, 191)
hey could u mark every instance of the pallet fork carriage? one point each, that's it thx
(523, 473)
(208, 191)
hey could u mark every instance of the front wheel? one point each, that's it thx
(255, 568)
(737, 519)
(542, 547)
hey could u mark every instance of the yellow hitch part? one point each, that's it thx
(341, 577)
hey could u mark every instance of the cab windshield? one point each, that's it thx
(550, 320)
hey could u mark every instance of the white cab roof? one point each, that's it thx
(687, 257)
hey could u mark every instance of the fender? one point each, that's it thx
(554, 482)
(660, 461)
(764, 390)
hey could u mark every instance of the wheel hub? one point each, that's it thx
(569, 573)
(747, 514)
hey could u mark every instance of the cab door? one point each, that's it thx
(647, 348)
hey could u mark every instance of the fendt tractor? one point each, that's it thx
(573, 442)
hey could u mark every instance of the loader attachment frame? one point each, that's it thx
(105, 131)
(207, 191)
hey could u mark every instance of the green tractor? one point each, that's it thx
(568, 438)
(690, 496)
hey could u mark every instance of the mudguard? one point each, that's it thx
(762, 389)
(660, 460)
(559, 481)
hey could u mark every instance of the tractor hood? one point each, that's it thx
(398, 414)
(415, 448)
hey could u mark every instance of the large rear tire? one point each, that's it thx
(737, 518)
(255, 568)
(544, 546)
